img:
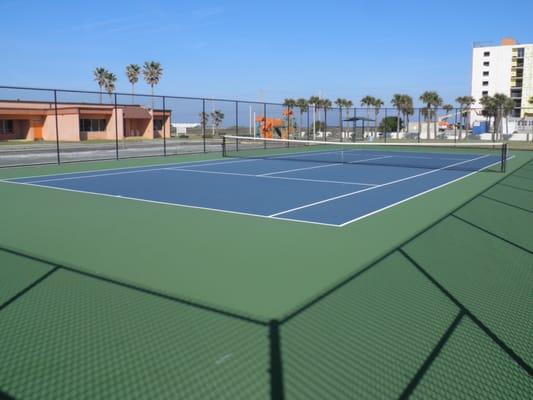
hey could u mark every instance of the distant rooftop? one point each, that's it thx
(507, 41)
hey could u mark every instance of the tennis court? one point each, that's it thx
(330, 183)
(283, 270)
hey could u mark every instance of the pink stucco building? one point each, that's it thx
(76, 122)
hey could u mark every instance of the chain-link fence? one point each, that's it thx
(44, 126)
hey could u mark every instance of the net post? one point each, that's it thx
(276, 371)
(224, 146)
(504, 157)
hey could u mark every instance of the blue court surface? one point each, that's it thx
(305, 191)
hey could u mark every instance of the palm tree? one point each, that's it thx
(398, 103)
(303, 106)
(377, 106)
(314, 102)
(432, 100)
(152, 73)
(110, 80)
(325, 104)
(447, 109)
(490, 110)
(507, 107)
(407, 109)
(368, 101)
(340, 103)
(290, 104)
(100, 76)
(465, 102)
(132, 73)
(504, 106)
(216, 116)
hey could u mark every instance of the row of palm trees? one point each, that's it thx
(497, 107)
(151, 71)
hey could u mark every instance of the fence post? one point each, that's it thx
(385, 125)
(57, 128)
(116, 125)
(237, 118)
(325, 123)
(354, 138)
(264, 122)
(455, 127)
(203, 123)
(237, 123)
(340, 123)
(419, 126)
(276, 371)
(164, 129)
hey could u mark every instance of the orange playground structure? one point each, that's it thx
(276, 127)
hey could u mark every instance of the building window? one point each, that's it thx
(520, 52)
(92, 125)
(158, 124)
(485, 73)
(486, 54)
(485, 83)
(6, 126)
(486, 63)
(484, 93)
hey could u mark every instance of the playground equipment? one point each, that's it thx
(280, 128)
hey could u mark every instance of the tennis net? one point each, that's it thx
(469, 156)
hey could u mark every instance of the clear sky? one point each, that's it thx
(257, 50)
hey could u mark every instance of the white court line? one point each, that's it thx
(323, 166)
(169, 204)
(144, 168)
(243, 213)
(271, 177)
(113, 173)
(419, 194)
(374, 187)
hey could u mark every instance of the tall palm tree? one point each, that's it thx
(432, 100)
(447, 109)
(303, 106)
(377, 106)
(100, 76)
(398, 103)
(314, 102)
(340, 103)
(490, 110)
(110, 80)
(325, 104)
(407, 109)
(132, 73)
(152, 72)
(465, 103)
(504, 106)
(290, 104)
(368, 101)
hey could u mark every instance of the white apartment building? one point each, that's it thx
(506, 68)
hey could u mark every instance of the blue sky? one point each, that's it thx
(252, 50)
